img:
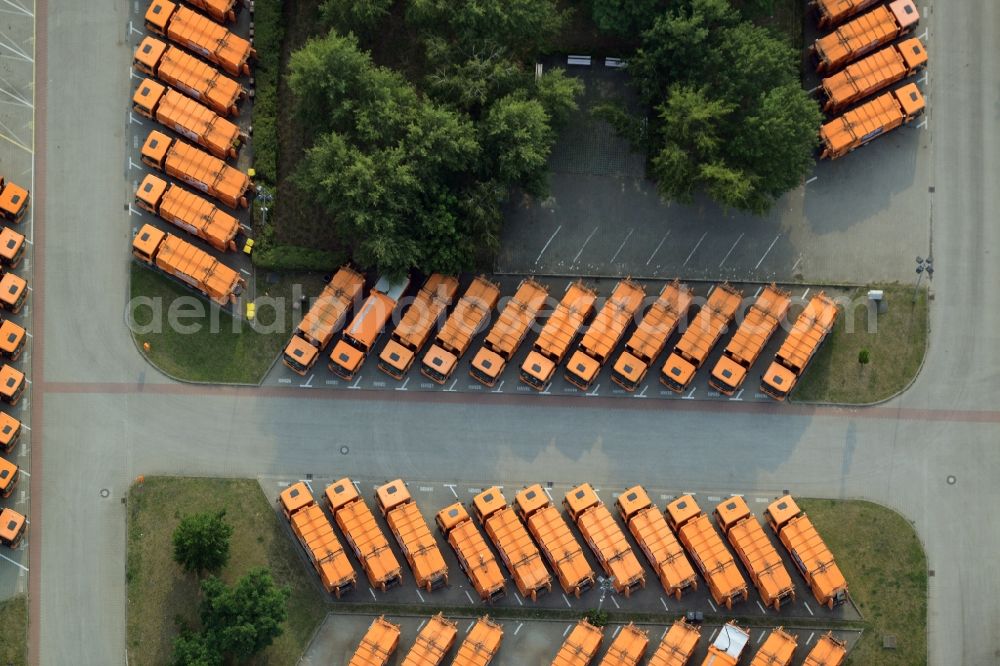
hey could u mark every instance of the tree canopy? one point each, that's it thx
(201, 542)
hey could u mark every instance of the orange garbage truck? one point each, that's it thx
(693, 348)
(11, 384)
(201, 35)
(832, 12)
(180, 70)
(189, 212)
(808, 550)
(377, 645)
(451, 342)
(183, 261)
(761, 560)
(716, 564)
(433, 643)
(777, 650)
(751, 337)
(871, 120)
(325, 317)
(864, 34)
(581, 646)
(14, 201)
(357, 523)
(649, 527)
(828, 651)
(628, 648)
(605, 538)
(9, 475)
(413, 330)
(223, 11)
(315, 533)
(188, 118)
(512, 541)
(677, 646)
(10, 432)
(651, 335)
(11, 249)
(474, 556)
(604, 333)
(507, 334)
(553, 536)
(12, 528)
(728, 646)
(873, 73)
(13, 292)
(359, 338)
(562, 327)
(412, 535)
(806, 336)
(481, 644)
(197, 168)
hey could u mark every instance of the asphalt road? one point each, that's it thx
(105, 417)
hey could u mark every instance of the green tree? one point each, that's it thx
(358, 16)
(243, 620)
(864, 357)
(516, 133)
(626, 17)
(195, 649)
(201, 542)
(557, 93)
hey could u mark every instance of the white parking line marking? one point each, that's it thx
(14, 563)
(642, 393)
(762, 611)
(356, 382)
(471, 624)
(923, 124)
(712, 637)
(25, 473)
(690, 396)
(737, 398)
(519, 602)
(309, 381)
(695, 249)
(451, 487)
(594, 392)
(805, 293)
(731, 250)
(618, 251)
(403, 387)
(421, 596)
(664, 602)
(714, 609)
(469, 596)
(518, 628)
(809, 640)
(546, 246)
(373, 593)
(796, 264)
(714, 499)
(546, 489)
(566, 599)
(664, 634)
(923, 35)
(662, 240)
(577, 257)
(760, 639)
(452, 387)
(499, 389)
(807, 608)
(568, 627)
(767, 252)
(812, 180)
(615, 602)
(421, 625)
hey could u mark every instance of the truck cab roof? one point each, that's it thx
(151, 191)
(340, 493)
(346, 356)
(13, 199)
(11, 526)
(10, 428)
(156, 146)
(11, 243)
(295, 497)
(392, 495)
(149, 52)
(489, 502)
(148, 240)
(11, 338)
(781, 510)
(8, 474)
(531, 499)
(450, 516)
(300, 352)
(580, 499)
(632, 501)
(731, 511)
(682, 509)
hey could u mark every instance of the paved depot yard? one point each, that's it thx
(526, 643)
(432, 497)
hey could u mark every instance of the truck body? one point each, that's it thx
(480, 645)
(806, 336)
(189, 212)
(433, 643)
(357, 523)
(12, 528)
(13, 292)
(554, 537)
(728, 646)
(474, 556)
(604, 334)
(315, 533)
(747, 537)
(512, 541)
(11, 248)
(581, 646)
(561, 328)
(223, 11)
(628, 647)
(651, 335)
(9, 476)
(832, 12)
(197, 168)
(359, 338)
(181, 70)
(507, 334)
(710, 555)
(649, 527)
(188, 118)
(871, 120)
(412, 535)
(413, 330)
(706, 328)
(677, 646)
(451, 342)
(869, 75)
(808, 550)
(12, 338)
(325, 317)
(828, 651)
(751, 337)
(864, 34)
(200, 35)
(10, 432)
(605, 538)
(777, 650)
(190, 265)
(11, 384)
(377, 645)
(14, 201)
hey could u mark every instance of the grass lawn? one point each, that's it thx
(14, 631)
(242, 355)
(886, 571)
(160, 594)
(896, 350)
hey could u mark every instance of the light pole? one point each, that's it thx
(923, 266)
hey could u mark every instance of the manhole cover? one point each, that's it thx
(344, 450)
(105, 492)
(951, 480)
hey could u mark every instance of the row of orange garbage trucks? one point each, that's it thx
(538, 550)
(867, 50)
(605, 329)
(437, 636)
(191, 64)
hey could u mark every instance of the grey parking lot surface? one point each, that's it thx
(853, 221)
(528, 641)
(431, 497)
